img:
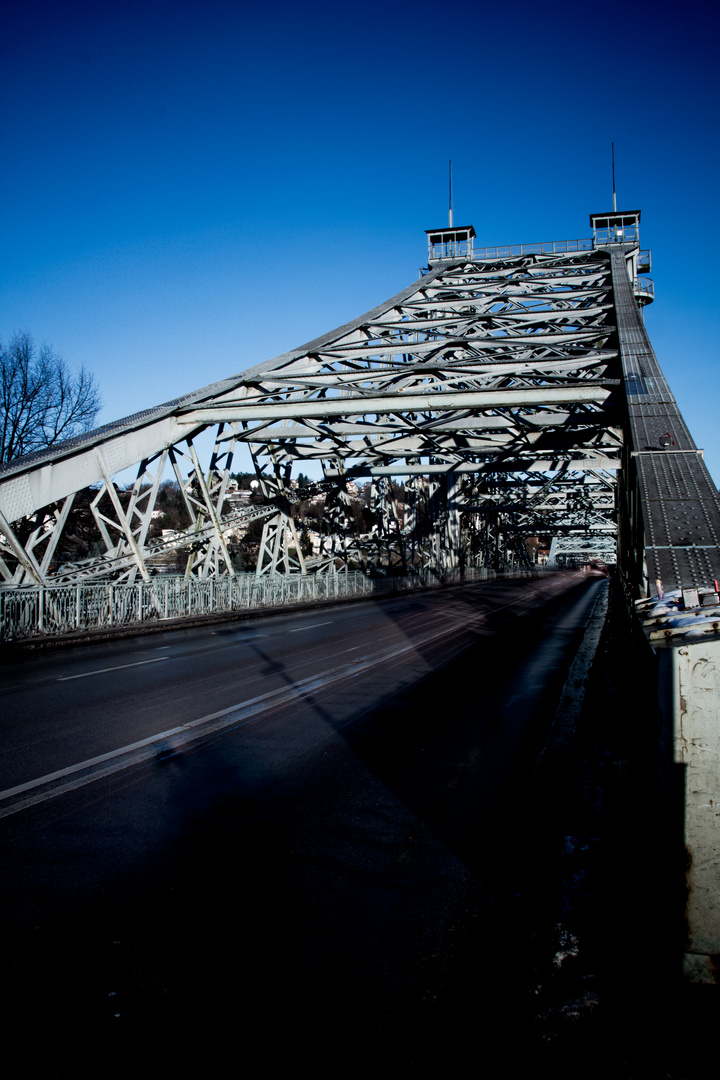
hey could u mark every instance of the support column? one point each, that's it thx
(690, 691)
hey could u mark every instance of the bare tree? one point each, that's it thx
(41, 401)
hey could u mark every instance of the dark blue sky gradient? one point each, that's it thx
(191, 188)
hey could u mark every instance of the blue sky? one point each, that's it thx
(191, 188)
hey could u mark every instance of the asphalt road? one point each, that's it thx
(282, 837)
(65, 708)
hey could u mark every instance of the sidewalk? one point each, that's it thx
(597, 900)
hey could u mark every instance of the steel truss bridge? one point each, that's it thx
(507, 394)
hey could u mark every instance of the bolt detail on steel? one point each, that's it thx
(510, 393)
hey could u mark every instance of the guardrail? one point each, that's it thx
(644, 286)
(644, 261)
(33, 611)
(548, 247)
(466, 250)
(451, 249)
(617, 234)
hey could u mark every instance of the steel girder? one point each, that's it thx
(577, 550)
(670, 508)
(493, 389)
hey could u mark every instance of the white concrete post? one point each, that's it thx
(692, 675)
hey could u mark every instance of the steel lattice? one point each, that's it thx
(495, 388)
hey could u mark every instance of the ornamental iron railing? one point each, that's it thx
(32, 611)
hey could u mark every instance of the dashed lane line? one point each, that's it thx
(118, 667)
(37, 791)
(33, 792)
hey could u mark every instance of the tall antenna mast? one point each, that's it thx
(612, 144)
(450, 220)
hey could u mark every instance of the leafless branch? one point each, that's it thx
(41, 401)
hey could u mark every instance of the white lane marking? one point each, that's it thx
(102, 670)
(311, 626)
(238, 715)
(60, 773)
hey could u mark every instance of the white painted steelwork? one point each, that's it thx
(490, 384)
(487, 404)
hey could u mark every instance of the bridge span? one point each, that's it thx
(514, 392)
(506, 402)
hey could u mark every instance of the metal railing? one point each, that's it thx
(462, 250)
(618, 234)
(644, 261)
(33, 611)
(548, 247)
(644, 287)
(451, 249)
